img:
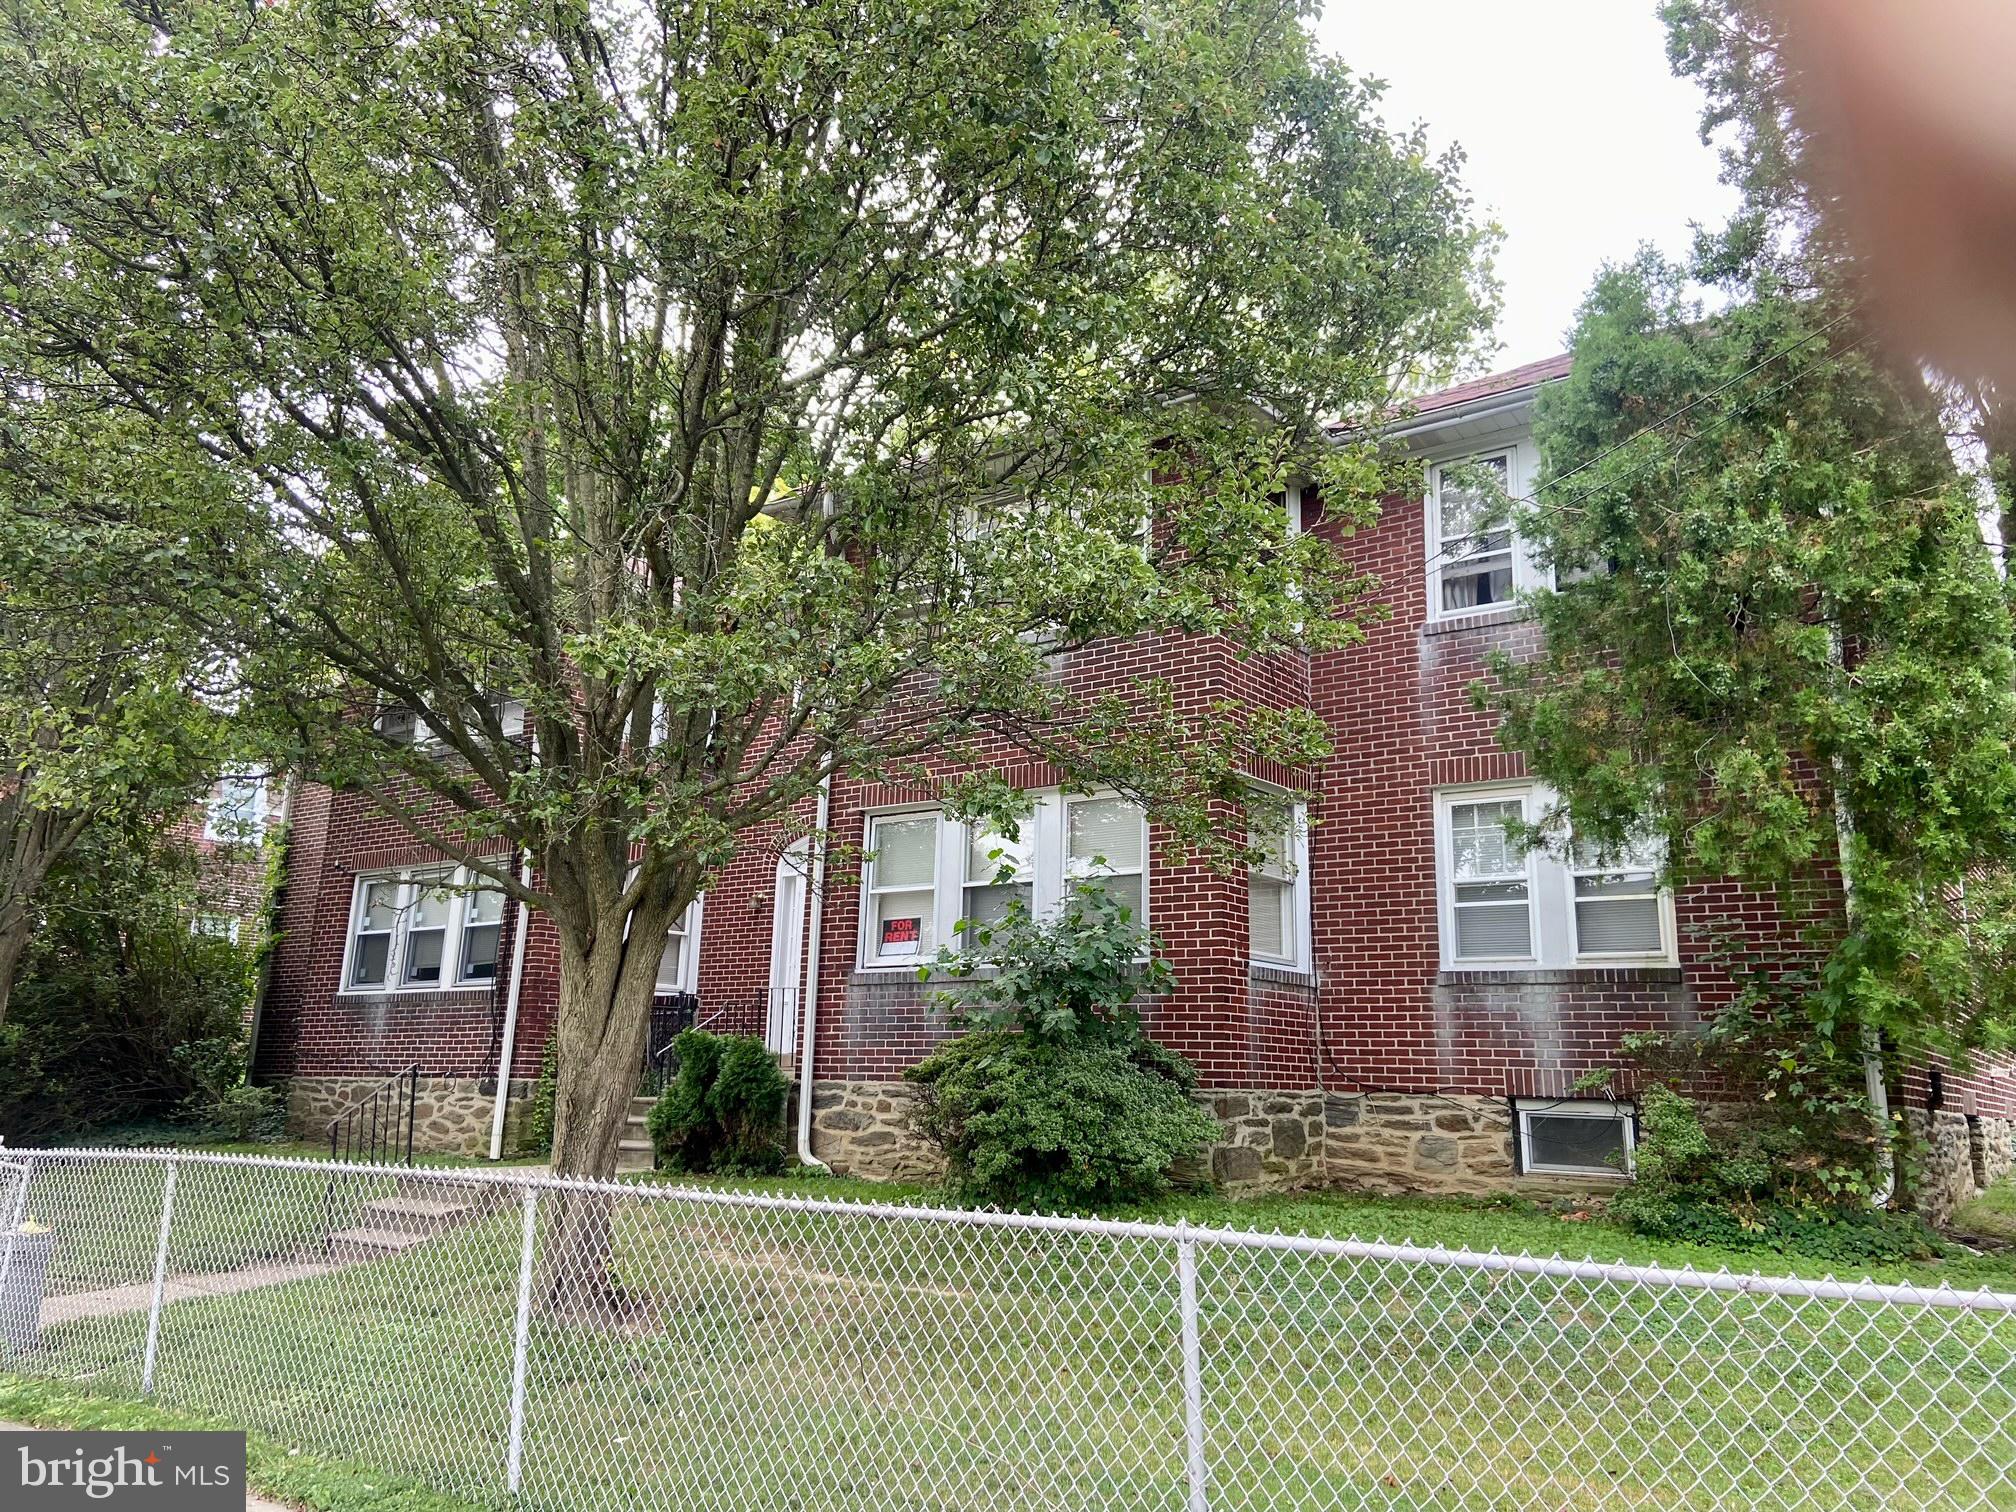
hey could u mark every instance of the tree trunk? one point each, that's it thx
(14, 935)
(605, 1013)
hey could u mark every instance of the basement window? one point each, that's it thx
(1575, 1137)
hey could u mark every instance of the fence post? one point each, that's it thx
(1193, 1368)
(14, 1221)
(514, 1460)
(160, 1281)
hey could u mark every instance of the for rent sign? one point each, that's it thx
(141, 1472)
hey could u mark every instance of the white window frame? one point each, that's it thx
(1575, 1107)
(216, 829)
(215, 926)
(412, 881)
(944, 866)
(1447, 801)
(1550, 894)
(689, 956)
(1528, 574)
(1299, 956)
(1049, 874)
(1662, 897)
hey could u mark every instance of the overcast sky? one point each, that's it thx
(1580, 143)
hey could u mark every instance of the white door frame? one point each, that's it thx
(787, 949)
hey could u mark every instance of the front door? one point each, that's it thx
(787, 951)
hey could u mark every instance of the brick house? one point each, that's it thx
(1400, 1001)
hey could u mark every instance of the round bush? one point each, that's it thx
(1027, 1122)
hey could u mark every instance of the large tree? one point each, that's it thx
(752, 390)
(1789, 158)
(107, 711)
(1780, 644)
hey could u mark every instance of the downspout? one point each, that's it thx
(511, 1016)
(809, 1030)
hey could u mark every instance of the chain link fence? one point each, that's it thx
(529, 1342)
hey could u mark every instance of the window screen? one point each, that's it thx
(1475, 542)
(902, 891)
(1491, 903)
(1559, 1139)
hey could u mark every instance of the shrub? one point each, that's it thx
(1784, 1156)
(123, 1018)
(724, 1112)
(538, 1136)
(1055, 1098)
(1024, 1121)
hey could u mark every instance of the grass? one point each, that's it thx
(779, 1359)
(1513, 1226)
(285, 1472)
(1992, 1215)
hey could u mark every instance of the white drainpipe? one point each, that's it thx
(809, 1031)
(510, 1019)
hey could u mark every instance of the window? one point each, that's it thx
(216, 926)
(1277, 893)
(1472, 539)
(423, 931)
(482, 925)
(999, 873)
(1475, 558)
(429, 910)
(1578, 1137)
(236, 810)
(679, 961)
(1107, 839)
(1491, 904)
(1618, 910)
(902, 888)
(926, 874)
(1501, 907)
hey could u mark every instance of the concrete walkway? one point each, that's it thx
(253, 1503)
(117, 1300)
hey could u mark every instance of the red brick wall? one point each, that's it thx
(1384, 1016)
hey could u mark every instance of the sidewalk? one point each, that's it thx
(252, 1503)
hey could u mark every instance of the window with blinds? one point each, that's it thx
(1559, 904)
(1618, 910)
(1492, 906)
(1277, 893)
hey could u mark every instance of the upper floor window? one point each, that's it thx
(1277, 893)
(423, 930)
(1476, 560)
(926, 874)
(237, 808)
(1502, 906)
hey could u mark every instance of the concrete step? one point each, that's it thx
(417, 1215)
(634, 1154)
(371, 1243)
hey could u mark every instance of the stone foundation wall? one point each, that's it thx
(1272, 1141)
(1451, 1144)
(1953, 1157)
(451, 1115)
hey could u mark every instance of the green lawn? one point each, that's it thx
(1992, 1215)
(788, 1360)
(277, 1470)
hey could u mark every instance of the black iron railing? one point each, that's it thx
(377, 1129)
(670, 1017)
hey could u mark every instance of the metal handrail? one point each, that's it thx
(377, 1129)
